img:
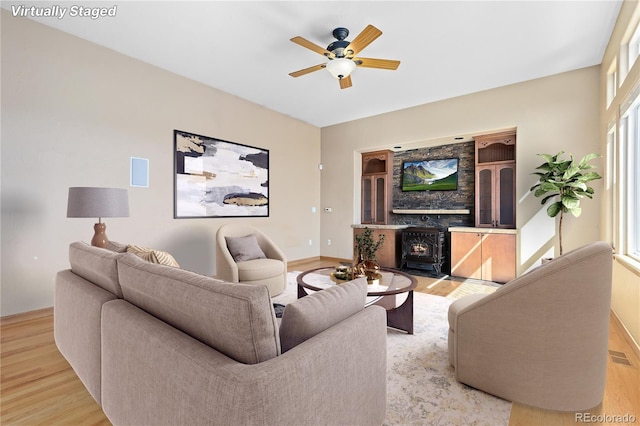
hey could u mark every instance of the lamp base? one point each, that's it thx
(100, 236)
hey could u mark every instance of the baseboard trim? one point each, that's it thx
(293, 263)
(626, 334)
(26, 316)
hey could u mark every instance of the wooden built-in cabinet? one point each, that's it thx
(389, 253)
(377, 180)
(484, 256)
(479, 252)
(496, 180)
(377, 190)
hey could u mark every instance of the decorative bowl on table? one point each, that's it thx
(342, 273)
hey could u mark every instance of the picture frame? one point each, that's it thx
(430, 175)
(218, 178)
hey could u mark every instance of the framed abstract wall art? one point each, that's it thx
(217, 178)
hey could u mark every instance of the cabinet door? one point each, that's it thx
(374, 199)
(380, 200)
(367, 200)
(496, 196)
(505, 197)
(389, 253)
(485, 178)
(466, 255)
(498, 257)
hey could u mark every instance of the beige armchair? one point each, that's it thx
(541, 339)
(257, 260)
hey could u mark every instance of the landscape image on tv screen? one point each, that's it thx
(430, 175)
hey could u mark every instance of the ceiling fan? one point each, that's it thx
(342, 55)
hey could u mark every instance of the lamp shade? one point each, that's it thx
(97, 202)
(341, 67)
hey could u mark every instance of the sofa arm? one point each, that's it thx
(226, 268)
(273, 252)
(455, 309)
(154, 374)
(76, 326)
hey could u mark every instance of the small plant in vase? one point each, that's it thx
(566, 182)
(366, 248)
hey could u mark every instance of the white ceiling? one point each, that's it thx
(446, 48)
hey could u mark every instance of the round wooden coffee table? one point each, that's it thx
(394, 292)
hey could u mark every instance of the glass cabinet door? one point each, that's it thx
(367, 197)
(380, 199)
(506, 197)
(485, 197)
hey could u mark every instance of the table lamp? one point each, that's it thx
(98, 202)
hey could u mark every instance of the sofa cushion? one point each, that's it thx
(315, 313)
(117, 247)
(235, 319)
(259, 269)
(244, 248)
(97, 265)
(153, 256)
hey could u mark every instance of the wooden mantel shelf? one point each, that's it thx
(441, 211)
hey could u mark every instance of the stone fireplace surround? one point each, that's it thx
(437, 209)
(463, 199)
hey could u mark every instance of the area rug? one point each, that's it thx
(467, 288)
(421, 387)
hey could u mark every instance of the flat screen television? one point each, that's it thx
(430, 175)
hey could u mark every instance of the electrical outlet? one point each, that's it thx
(328, 242)
(310, 242)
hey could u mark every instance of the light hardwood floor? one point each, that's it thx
(38, 387)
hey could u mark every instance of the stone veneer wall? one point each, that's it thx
(462, 198)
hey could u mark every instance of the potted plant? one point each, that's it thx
(566, 182)
(366, 248)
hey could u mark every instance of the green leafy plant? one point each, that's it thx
(565, 181)
(366, 246)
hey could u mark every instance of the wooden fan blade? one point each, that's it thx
(363, 39)
(345, 82)
(307, 70)
(385, 64)
(311, 46)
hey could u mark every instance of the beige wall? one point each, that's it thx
(556, 113)
(72, 115)
(625, 298)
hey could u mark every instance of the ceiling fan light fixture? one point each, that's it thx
(342, 55)
(341, 67)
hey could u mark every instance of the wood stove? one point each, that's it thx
(422, 247)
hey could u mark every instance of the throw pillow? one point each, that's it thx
(153, 256)
(244, 248)
(315, 313)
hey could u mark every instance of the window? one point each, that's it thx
(612, 185)
(628, 188)
(633, 48)
(612, 82)
(633, 190)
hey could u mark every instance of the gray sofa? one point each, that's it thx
(157, 345)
